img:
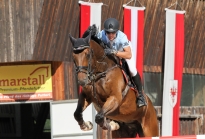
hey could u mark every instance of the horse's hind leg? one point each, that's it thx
(150, 124)
(126, 131)
(151, 130)
(82, 105)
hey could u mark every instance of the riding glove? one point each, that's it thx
(91, 29)
(109, 51)
(94, 30)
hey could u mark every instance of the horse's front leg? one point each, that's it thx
(83, 103)
(110, 105)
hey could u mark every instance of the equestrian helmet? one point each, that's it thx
(111, 25)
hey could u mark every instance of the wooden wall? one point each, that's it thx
(39, 29)
(19, 22)
(62, 18)
(64, 81)
(191, 120)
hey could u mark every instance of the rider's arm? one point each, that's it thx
(126, 54)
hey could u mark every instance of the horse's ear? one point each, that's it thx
(87, 39)
(73, 40)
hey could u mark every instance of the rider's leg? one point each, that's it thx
(140, 99)
(137, 80)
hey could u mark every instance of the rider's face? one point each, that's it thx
(111, 35)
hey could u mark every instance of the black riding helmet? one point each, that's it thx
(111, 25)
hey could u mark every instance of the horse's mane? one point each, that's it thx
(102, 44)
(95, 38)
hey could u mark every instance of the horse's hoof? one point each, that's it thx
(114, 126)
(99, 118)
(86, 126)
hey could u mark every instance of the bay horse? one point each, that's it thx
(104, 85)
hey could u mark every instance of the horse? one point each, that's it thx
(104, 85)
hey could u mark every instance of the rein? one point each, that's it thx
(93, 77)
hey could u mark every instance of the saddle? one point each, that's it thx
(127, 75)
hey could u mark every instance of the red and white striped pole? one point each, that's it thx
(173, 71)
(134, 29)
(172, 137)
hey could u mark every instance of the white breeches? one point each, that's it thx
(132, 63)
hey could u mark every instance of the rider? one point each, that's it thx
(121, 47)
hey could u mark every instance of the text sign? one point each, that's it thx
(25, 82)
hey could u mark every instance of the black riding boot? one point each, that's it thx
(140, 99)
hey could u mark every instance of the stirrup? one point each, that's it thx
(140, 105)
(141, 101)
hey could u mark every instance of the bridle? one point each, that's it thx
(92, 74)
(84, 69)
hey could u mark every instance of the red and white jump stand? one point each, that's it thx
(173, 137)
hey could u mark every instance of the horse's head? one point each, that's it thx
(89, 58)
(81, 57)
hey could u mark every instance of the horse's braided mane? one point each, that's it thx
(102, 44)
(116, 59)
(95, 38)
(99, 41)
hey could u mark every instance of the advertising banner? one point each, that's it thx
(25, 82)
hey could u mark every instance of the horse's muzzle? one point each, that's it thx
(83, 82)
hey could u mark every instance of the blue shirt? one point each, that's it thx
(118, 43)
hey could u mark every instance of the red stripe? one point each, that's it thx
(84, 23)
(179, 137)
(178, 68)
(168, 137)
(140, 42)
(80, 89)
(127, 23)
(84, 18)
